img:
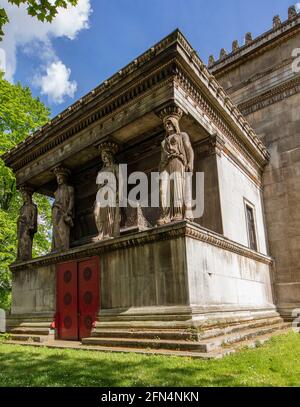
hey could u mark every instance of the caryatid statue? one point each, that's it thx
(107, 208)
(62, 211)
(176, 168)
(27, 224)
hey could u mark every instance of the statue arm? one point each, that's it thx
(119, 180)
(98, 179)
(34, 219)
(163, 157)
(70, 209)
(189, 152)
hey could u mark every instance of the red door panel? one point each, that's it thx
(88, 295)
(67, 301)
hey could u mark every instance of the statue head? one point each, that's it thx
(61, 179)
(170, 115)
(171, 125)
(26, 194)
(107, 157)
(108, 149)
(62, 175)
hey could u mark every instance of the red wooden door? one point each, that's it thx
(88, 295)
(67, 301)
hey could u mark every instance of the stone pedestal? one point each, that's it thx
(176, 276)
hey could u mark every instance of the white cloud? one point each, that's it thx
(56, 82)
(32, 36)
(297, 7)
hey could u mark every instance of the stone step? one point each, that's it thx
(119, 322)
(215, 354)
(31, 328)
(177, 334)
(29, 338)
(144, 343)
(152, 325)
(182, 318)
(145, 334)
(38, 321)
(203, 346)
(16, 322)
(29, 331)
(242, 336)
(233, 328)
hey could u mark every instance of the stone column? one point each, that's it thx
(208, 152)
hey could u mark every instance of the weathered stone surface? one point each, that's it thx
(62, 211)
(177, 159)
(179, 265)
(266, 87)
(107, 216)
(26, 224)
(34, 290)
(179, 274)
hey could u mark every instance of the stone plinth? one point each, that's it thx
(178, 275)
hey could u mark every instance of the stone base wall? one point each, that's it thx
(34, 290)
(221, 278)
(179, 275)
(180, 318)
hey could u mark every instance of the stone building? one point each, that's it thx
(131, 278)
(263, 80)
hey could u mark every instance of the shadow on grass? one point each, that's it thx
(267, 366)
(27, 367)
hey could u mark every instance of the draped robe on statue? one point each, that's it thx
(62, 217)
(175, 192)
(107, 217)
(172, 177)
(27, 227)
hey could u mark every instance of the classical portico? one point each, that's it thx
(181, 279)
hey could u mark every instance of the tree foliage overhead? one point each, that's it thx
(20, 115)
(44, 10)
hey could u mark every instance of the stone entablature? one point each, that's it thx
(171, 60)
(219, 125)
(216, 145)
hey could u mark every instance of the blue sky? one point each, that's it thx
(120, 30)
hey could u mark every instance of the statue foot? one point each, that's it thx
(176, 218)
(162, 221)
(98, 238)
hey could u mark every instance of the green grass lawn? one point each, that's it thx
(277, 363)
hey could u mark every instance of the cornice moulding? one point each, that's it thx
(184, 229)
(86, 113)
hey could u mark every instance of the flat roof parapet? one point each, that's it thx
(252, 45)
